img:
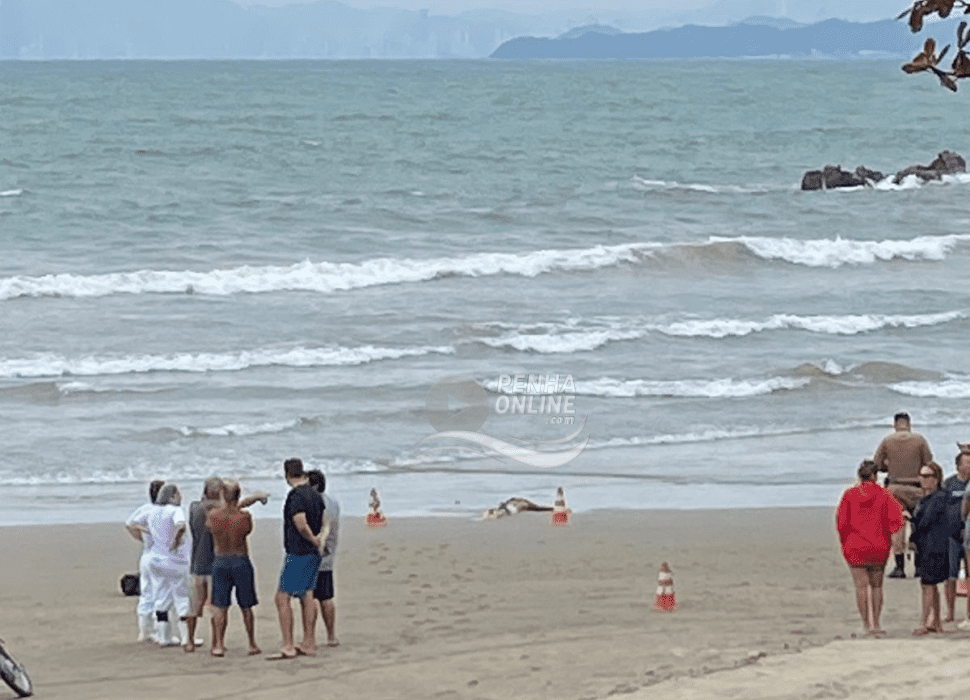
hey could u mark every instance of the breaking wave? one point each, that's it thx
(327, 277)
(323, 277)
(838, 251)
(689, 388)
(953, 388)
(586, 335)
(51, 365)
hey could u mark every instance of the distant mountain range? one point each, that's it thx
(221, 29)
(755, 37)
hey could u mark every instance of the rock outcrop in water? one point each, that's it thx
(833, 176)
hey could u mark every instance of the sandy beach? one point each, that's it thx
(454, 608)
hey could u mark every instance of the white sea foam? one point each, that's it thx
(912, 182)
(688, 388)
(577, 335)
(645, 185)
(831, 325)
(321, 277)
(838, 251)
(179, 471)
(946, 389)
(561, 342)
(11, 193)
(52, 365)
(239, 429)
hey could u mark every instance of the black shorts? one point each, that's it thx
(934, 568)
(233, 571)
(324, 589)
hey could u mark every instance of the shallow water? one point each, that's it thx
(209, 267)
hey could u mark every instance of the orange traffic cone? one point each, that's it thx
(560, 514)
(665, 600)
(375, 518)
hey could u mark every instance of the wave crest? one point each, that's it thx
(51, 365)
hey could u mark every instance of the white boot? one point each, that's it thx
(183, 633)
(145, 628)
(164, 634)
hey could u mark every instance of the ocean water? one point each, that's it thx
(208, 267)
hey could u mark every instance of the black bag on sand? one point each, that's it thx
(129, 584)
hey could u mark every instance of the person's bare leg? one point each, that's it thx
(190, 623)
(249, 621)
(926, 598)
(937, 624)
(198, 598)
(308, 606)
(220, 619)
(898, 542)
(285, 613)
(861, 581)
(875, 599)
(328, 611)
(950, 593)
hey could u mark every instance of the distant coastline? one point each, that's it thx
(755, 38)
(45, 30)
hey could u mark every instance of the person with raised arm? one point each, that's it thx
(230, 526)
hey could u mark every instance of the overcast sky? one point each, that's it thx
(860, 10)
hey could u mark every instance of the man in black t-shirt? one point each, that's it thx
(302, 520)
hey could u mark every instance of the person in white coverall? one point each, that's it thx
(168, 563)
(146, 601)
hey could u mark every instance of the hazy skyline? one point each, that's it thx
(857, 10)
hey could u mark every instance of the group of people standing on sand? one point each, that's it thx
(187, 562)
(871, 524)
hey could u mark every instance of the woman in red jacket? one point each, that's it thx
(868, 515)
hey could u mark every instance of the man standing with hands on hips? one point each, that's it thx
(902, 453)
(302, 520)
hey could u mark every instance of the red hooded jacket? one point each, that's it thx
(867, 516)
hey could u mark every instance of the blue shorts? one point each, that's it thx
(299, 574)
(233, 570)
(956, 556)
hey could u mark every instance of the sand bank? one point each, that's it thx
(452, 608)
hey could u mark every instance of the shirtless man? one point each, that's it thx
(203, 551)
(902, 453)
(230, 526)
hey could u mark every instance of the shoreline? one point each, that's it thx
(477, 609)
(267, 513)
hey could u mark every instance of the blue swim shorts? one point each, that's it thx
(299, 574)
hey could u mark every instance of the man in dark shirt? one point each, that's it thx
(955, 486)
(302, 520)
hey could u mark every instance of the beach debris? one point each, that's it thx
(375, 518)
(560, 514)
(514, 505)
(130, 584)
(665, 600)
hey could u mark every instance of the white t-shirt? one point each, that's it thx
(163, 523)
(140, 518)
